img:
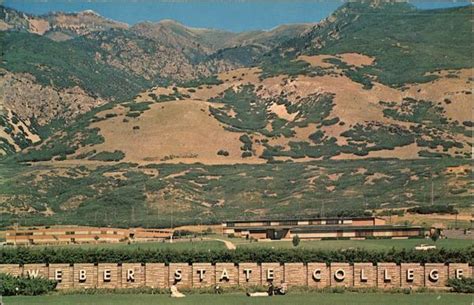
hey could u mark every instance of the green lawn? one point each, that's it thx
(240, 299)
(370, 244)
(195, 244)
(205, 245)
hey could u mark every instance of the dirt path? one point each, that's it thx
(229, 245)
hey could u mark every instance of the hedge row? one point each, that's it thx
(463, 285)
(18, 285)
(77, 255)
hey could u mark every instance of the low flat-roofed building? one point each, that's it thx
(384, 231)
(318, 228)
(79, 234)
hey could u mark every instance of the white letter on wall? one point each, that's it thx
(270, 274)
(58, 275)
(410, 275)
(224, 275)
(339, 275)
(434, 275)
(459, 274)
(363, 278)
(201, 274)
(247, 274)
(107, 275)
(130, 275)
(386, 276)
(317, 275)
(82, 275)
(177, 275)
(32, 273)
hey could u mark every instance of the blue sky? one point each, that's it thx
(232, 15)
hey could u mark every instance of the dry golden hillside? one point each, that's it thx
(253, 119)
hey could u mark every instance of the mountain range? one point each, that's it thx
(162, 118)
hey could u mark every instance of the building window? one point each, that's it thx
(70, 232)
(24, 233)
(231, 224)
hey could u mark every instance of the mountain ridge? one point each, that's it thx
(369, 109)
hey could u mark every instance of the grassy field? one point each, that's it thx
(199, 245)
(380, 244)
(210, 245)
(228, 299)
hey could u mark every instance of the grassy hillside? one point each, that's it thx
(241, 118)
(160, 195)
(407, 43)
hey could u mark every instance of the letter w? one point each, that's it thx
(32, 273)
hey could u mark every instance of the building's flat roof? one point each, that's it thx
(305, 219)
(329, 228)
(353, 228)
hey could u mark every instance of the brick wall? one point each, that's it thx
(249, 274)
(272, 272)
(365, 275)
(62, 273)
(436, 275)
(341, 275)
(388, 275)
(109, 276)
(180, 275)
(85, 276)
(412, 275)
(459, 270)
(227, 274)
(204, 275)
(295, 274)
(156, 275)
(12, 269)
(133, 275)
(316, 275)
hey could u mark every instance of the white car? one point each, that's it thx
(424, 247)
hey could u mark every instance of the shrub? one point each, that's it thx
(222, 152)
(247, 142)
(117, 155)
(138, 107)
(463, 285)
(431, 209)
(110, 115)
(133, 114)
(246, 154)
(13, 285)
(295, 241)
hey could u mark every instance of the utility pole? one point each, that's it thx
(432, 187)
(172, 232)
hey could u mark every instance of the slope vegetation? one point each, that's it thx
(369, 109)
